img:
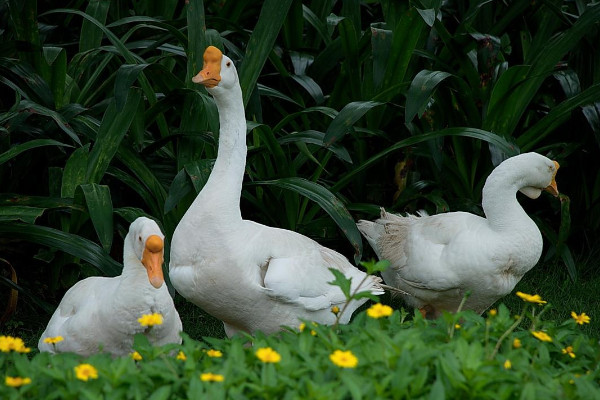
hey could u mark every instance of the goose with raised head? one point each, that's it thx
(250, 276)
(437, 259)
(101, 314)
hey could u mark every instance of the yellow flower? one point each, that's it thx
(181, 356)
(379, 310)
(543, 336)
(9, 343)
(493, 312)
(210, 377)
(303, 326)
(344, 359)
(507, 364)
(268, 355)
(456, 326)
(536, 298)
(136, 356)
(16, 381)
(569, 350)
(85, 372)
(516, 343)
(54, 340)
(581, 319)
(214, 353)
(335, 310)
(151, 319)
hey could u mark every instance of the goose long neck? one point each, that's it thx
(500, 204)
(228, 171)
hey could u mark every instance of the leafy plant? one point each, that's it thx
(458, 355)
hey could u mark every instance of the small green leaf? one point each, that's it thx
(32, 144)
(346, 118)
(420, 91)
(99, 205)
(342, 282)
(22, 213)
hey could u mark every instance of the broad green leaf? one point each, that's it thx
(74, 171)
(196, 40)
(328, 202)
(316, 137)
(319, 25)
(100, 208)
(56, 59)
(261, 43)
(112, 130)
(346, 118)
(8, 200)
(180, 187)
(270, 92)
(91, 35)
(74, 245)
(28, 106)
(420, 91)
(32, 144)
(126, 75)
(199, 171)
(22, 213)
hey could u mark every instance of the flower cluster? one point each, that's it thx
(344, 359)
(53, 340)
(85, 372)
(268, 355)
(379, 310)
(151, 319)
(16, 381)
(210, 377)
(536, 298)
(214, 353)
(9, 343)
(581, 319)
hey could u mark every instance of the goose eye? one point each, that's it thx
(140, 238)
(228, 63)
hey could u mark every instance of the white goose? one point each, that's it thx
(437, 259)
(250, 276)
(101, 314)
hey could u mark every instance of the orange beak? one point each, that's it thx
(152, 258)
(210, 76)
(553, 188)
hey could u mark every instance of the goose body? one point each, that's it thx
(101, 314)
(251, 276)
(438, 259)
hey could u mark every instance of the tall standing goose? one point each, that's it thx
(250, 276)
(101, 313)
(437, 259)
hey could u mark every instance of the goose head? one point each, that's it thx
(532, 174)
(218, 72)
(146, 242)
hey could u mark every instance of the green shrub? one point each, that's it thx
(458, 356)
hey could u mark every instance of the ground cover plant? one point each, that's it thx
(351, 106)
(382, 354)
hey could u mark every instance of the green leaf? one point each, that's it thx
(126, 75)
(112, 130)
(196, 39)
(341, 281)
(420, 91)
(29, 106)
(346, 118)
(66, 242)
(22, 213)
(261, 43)
(91, 35)
(180, 187)
(199, 172)
(74, 171)
(328, 202)
(32, 144)
(317, 138)
(99, 205)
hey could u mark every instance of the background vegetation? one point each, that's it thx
(352, 105)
